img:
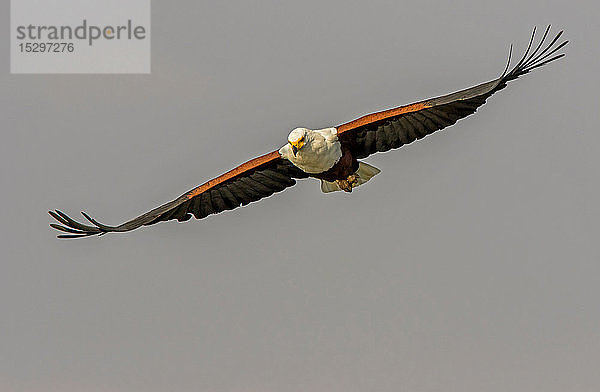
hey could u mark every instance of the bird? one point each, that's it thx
(333, 155)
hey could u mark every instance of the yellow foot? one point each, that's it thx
(352, 180)
(344, 185)
(349, 183)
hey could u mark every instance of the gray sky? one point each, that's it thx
(470, 263)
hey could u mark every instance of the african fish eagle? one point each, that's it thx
(331, 154)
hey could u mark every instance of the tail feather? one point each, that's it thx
(328, 186)
(364, 173)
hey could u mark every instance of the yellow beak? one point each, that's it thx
(297, 145)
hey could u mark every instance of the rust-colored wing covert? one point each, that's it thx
(382, 131)
(251, 181)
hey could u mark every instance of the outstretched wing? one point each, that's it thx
(382, 131)
(251, 181)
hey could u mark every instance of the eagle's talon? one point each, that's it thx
(344, 185)
(352, 180)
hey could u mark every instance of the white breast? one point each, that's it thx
(320, 152)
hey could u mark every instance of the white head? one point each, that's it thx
(297, 139)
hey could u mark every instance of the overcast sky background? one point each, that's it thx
(471, 263)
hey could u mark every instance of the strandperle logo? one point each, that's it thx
(84, 31)
(75, 36)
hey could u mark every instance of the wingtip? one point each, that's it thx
(537, 57)
(74, 228)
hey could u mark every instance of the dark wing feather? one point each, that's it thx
(251, 181)
(382, 131)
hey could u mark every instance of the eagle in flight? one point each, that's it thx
(332, 154)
